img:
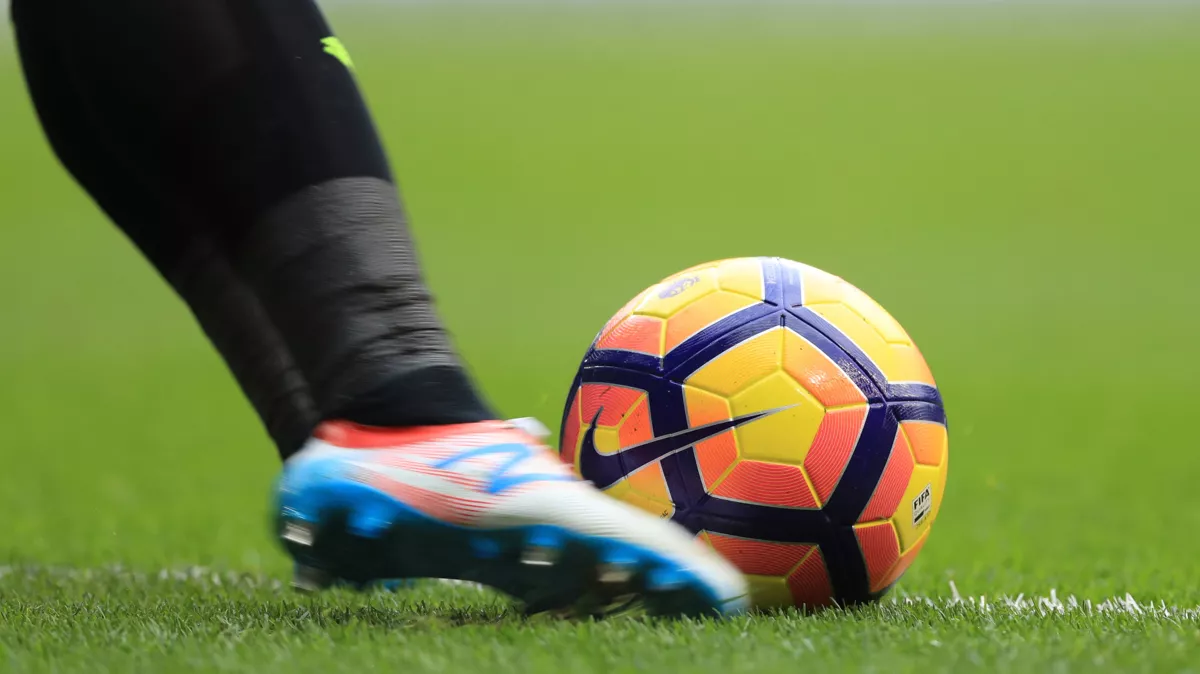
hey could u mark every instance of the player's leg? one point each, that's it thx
(245, 112)
(242, 114)
(168, 232)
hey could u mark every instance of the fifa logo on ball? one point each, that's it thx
(922, 504)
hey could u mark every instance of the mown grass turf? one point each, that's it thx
(129, 622)
(1017, 186)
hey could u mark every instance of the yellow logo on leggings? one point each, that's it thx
(337, 50)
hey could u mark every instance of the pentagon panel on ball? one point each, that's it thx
(776, 411)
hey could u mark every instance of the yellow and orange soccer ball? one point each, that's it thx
(776, 411)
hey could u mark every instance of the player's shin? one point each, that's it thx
(247, 116)
(73, 87)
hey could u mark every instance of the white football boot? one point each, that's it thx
(488, 503)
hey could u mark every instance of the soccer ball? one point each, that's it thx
(776, 411)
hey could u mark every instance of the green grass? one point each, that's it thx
(247, 623)
(1017, 186)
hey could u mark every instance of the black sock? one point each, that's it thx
(239, 121)
(336, 264)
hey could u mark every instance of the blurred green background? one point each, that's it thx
(1018, 185)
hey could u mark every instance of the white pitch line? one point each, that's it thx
(1050, 604)
(1021, 605)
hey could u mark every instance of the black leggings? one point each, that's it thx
(229, 141)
